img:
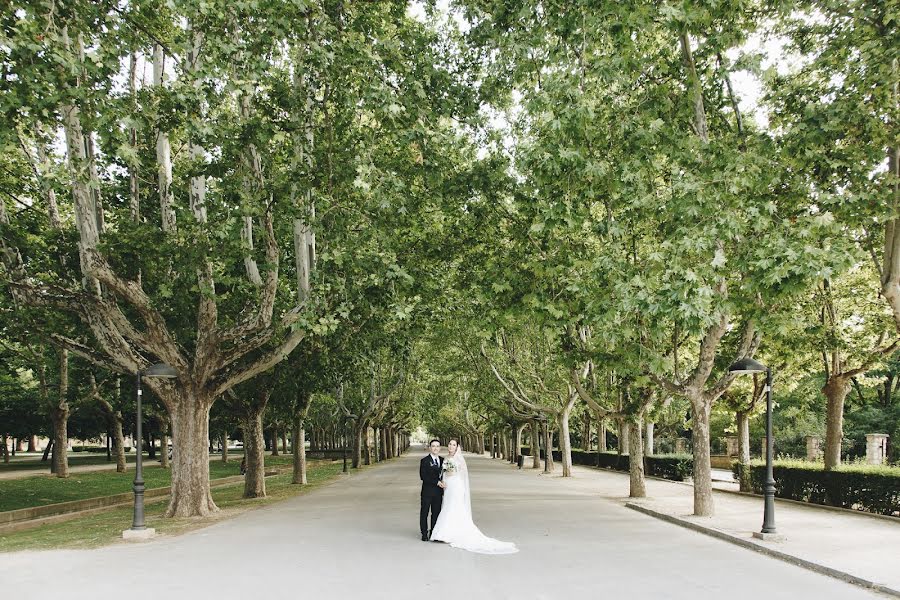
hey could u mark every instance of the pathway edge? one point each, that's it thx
(784, 556)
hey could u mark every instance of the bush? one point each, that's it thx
(77, 448)
(866, 488)
(676, 467)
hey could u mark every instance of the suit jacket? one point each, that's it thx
(430, 475)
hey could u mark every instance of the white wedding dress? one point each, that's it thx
(454, 524)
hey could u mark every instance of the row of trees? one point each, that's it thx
(655, 227)
(502, 215)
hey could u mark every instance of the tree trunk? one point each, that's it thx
(357, 446)
(5, 448)
(47, 450)
(119, 442)
(32, 444)
(637, 486)
(601, 436)
(284, 448)
(517, 450)
(59, 416)
(565, 438)
(586, 432)
(703, 498)
(835, 390)
(535, 446)
(299, 448)
(254, 455)
(743, 426)
(624, 442)
(224, 446)
(548, 448)
(648, 439)
(190, 496)
(164, 444)
(275, 441)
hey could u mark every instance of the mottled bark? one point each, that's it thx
(254, 454)
(637, 487)
(59, 416)
(565, 440)
(703, 497)
(548, 448)
(743, 427)
(299, 447)
(535, 446)
(835, 390)
(190, 496)
(624, 445)
(163, 154)
(274, 442)
(164, 444)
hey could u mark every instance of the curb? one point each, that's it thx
(784, 556)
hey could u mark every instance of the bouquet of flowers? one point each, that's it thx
(449, 467)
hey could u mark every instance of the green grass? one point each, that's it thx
(79, 459)
(106, 527)
(40, 490)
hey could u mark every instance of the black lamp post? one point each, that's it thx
(138, 529)
(748, 365)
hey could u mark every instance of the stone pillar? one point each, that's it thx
(648, 439)
(681, 446)
(813, 450)
(732, 443)
(876, 448)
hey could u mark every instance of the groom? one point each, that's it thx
(430, 471)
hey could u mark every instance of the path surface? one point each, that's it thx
(358, 538)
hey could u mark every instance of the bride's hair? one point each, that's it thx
(453, 440)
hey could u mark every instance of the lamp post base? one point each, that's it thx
(768, 537)
(138, 534)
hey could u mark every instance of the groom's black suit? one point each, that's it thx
(432, 493)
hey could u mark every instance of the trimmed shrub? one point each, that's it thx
(864, 488)
(676, 467)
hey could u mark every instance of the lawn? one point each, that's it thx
(106, 527)
(39, 490)
(78, 459)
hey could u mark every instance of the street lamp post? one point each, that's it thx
(347, 417)
(138, 529)
(748, 365)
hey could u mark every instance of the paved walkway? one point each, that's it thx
(359, 538)
(862, 546)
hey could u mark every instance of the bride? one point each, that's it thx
(454, 524)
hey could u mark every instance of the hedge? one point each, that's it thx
(676, 467)
(867, 489)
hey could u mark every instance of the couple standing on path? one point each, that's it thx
(445, 493)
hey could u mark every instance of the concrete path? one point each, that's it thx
(358, 538)
(861, 546)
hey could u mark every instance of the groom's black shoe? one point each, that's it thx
(424, 537)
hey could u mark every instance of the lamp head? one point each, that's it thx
(747, 365)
